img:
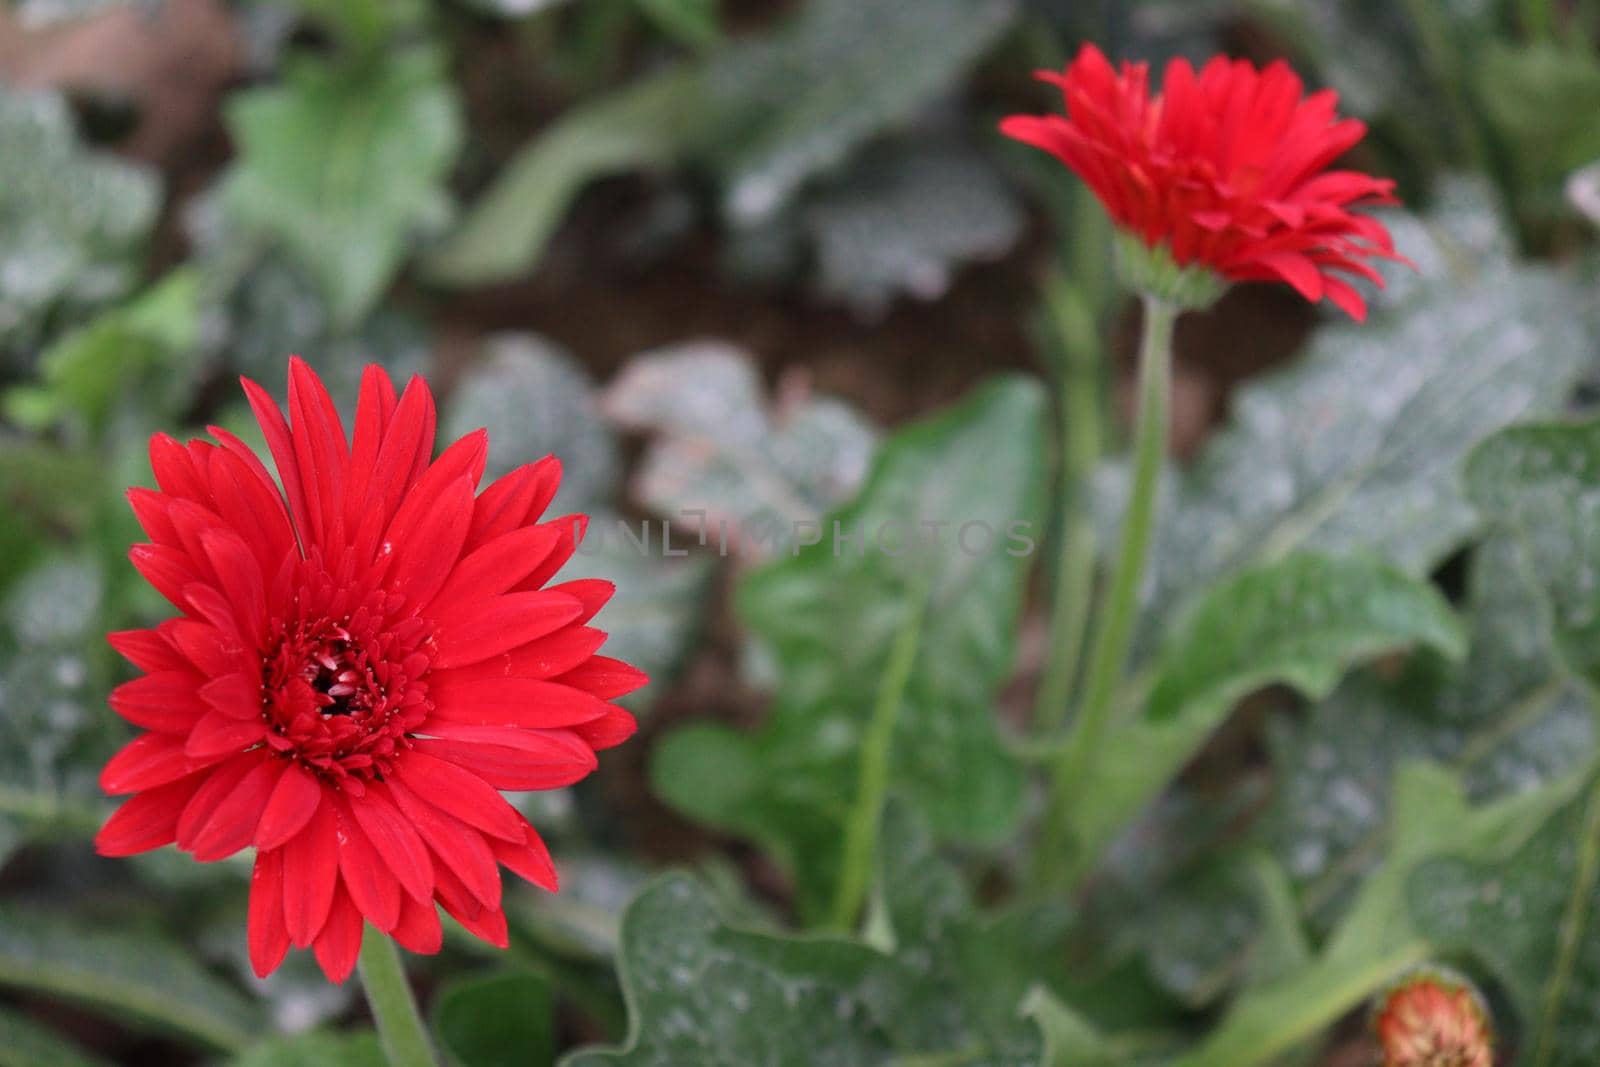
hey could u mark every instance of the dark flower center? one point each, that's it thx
(338, 675)
(343, 682)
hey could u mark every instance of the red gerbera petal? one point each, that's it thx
(339, 943)
(219, 787)
(146, 649)
(418, 929)
(311, 873)
(604, 677)
(145, 762)
(525, 702)
(269, 937)
(528, 858)
(146, 820)
(362, 656)
(292, 803)
(165, 701)
(232, 825)
(608, 731)
(460, 846)
(479, 919)
(1223, 170)
(371, 884)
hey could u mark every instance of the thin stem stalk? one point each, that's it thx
(1080, 451)
(872, 783)
(400, 1029)
(1054, 860)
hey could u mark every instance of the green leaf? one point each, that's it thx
(693, 22)
(1302, 621)
(570, 938)
(956, 978)
(765, 115)
(1363, 47)
(1378, 939)
(1542, 483)
(903, 219)
(1071, 1041)
(131, 355)
(536, 399)
(1179, 902)
(366, 24)
(504, 1020)
(55, 733)
(138, 974)
(1283, 947)
(702, 992)
(344, 165)
(46, 494)
(1228, 922)
(1528, 914)
(944, 990)
(647, 124)
(797, 103)
(73, 223)
(1358, 446)
(1543, 99)
(315, 1050)
(724, 464)
(1194, 932)
(24, 1043)
(1503, 718)
(1298, 621)
(1531, 914)
(261, 304)
(831, 613)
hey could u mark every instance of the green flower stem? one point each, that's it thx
(1277, 1022)
(1114, 633)
(405, 1039)
(1080, 451)
(872, 783)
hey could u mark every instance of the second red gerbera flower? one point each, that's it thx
(1224, 170)
(354, 676)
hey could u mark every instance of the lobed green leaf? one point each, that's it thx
(830, 614)
(501, 1020)
(344, 165)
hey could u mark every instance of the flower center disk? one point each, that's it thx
(344, 686)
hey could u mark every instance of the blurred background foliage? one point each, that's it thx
(716, 254)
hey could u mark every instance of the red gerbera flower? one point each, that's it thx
(1224, 170)
(353, 677)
